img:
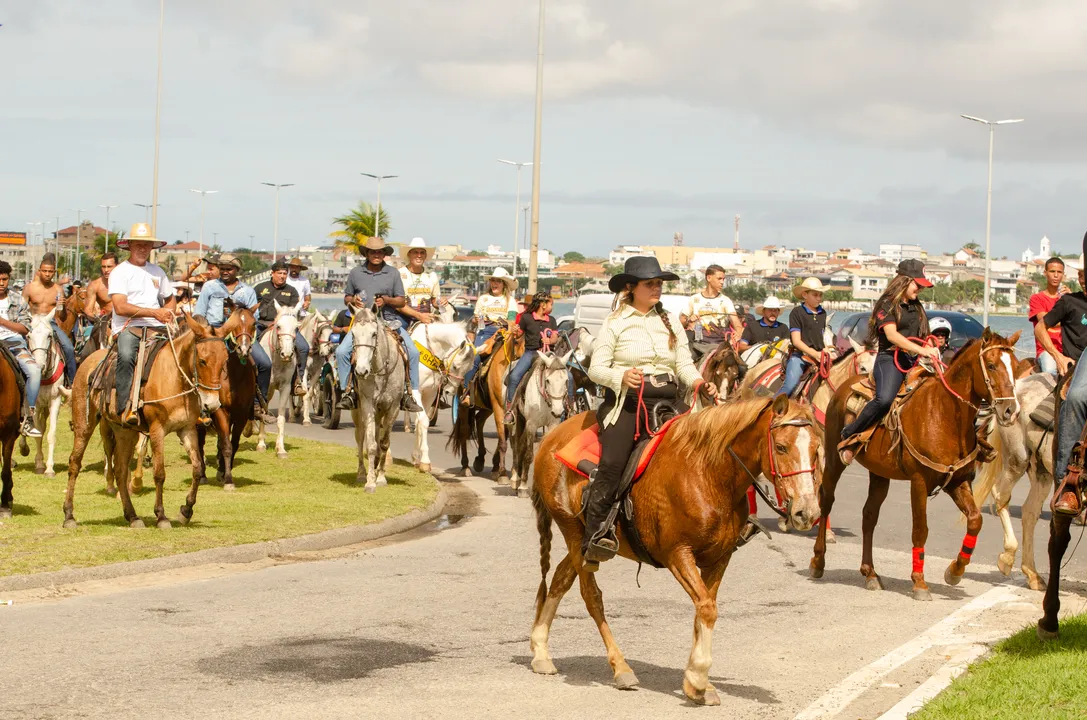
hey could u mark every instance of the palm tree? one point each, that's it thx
(357, 226)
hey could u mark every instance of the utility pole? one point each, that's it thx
(76, 274)
(108, 208)
(377, 212)
(275, 230)
(535, 242)
(203, 197)
(736, 237)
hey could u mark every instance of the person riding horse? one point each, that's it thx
(421, 286)
(43, 295)
(710, 314)
(377, 283)
(277, 290)
(767, 329)
(14, 326)
(494, 309)
(940, 329)
(896, 317)
(640, 360)
(540, 332)
(807, 323)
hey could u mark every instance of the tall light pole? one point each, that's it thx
(524, 240)
(203, 197)
(377, 212)
(158, 116)
(516, 208)
(108, 208)
(535, 242)
(146, 211)
(275, 229)
(989, 208)
(251, 244)
(76, 273)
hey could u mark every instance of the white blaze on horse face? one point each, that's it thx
(39, 338)
(1005, 358)
(286, 326)
(364, 334)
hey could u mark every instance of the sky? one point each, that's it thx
(822, 123)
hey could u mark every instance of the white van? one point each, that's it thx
(591, 310)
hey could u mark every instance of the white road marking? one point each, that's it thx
(955, 666)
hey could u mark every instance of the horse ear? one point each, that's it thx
(277, 305)
(781, 405)
(1015, 338)
(987, 335)
(857, 347)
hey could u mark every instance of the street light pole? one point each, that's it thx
(108, 208)
(989, 210)
(535, 242)
(146, 211)
(516, 208)
(203, 197)
(377, 212)
(158, 116)
(275, 230)
(76, 272)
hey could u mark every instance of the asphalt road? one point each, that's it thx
(437, 624)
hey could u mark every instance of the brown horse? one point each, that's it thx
(11, 412)
(471, 420)
(690, 506)
(768, 376)
(724, 368)
(236, 395)
(185, 379)
(935, 448)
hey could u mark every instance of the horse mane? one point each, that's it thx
(707, 436)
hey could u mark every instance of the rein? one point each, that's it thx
(775, 475)
(193, 384)
(939, 368)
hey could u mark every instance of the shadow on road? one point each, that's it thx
(900, 586)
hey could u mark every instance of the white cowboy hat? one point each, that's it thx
(415, 244)
(501, 273)
(770, 303)
(140, 231)
(811, 283)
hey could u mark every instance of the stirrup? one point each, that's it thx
(601, 550)
(750, 530)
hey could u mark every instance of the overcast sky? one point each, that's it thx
(823, 123)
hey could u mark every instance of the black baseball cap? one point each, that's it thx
(914, 269)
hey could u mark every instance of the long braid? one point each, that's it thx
(668, 324)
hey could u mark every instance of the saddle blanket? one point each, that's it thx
(582, 454)
(1044, 415)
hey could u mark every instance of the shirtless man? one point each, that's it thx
(44, 295)
(98, 301)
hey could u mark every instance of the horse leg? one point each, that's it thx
(1032, 509)
(832, 473)
(877, 493)
(261, 445)
(545, 615)
(158, 463)
(123, 443)
(499, 464)
(281, 419)
(141, 455)
(373, 459)
(196, 457)
(625, 679)
(359, 421)
(6, 482)
(1006, 560)
(225, 454)
(964, 500)
(696, 678)
(107, 447)
(75, 463)
(40, 420)
(1059, 536)
(479, 419)
(51, 434)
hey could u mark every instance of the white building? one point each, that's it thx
(544, 259)
(868, 284)
(897, 252)
(1044, 251)
(621, 254)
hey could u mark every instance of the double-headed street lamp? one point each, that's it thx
(516, 207)
(275, 231)
(203, 198)
(989, 208)
(108, 208)
(535, 242)
(377, 212)
(146, 211)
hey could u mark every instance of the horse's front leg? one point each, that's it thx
(41, 419)
(124, 442)
(383, 434)
(374, 460)
(158, 462)
(1059, 537)
(51, 434)
(225, 454)
(1040, 482)
(877, 493)
(196, 457)
(964, 500)
(281, 420)
(359, 421)
(696, 678)
(107, 451)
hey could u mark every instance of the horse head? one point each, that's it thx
(365, 333)
(209, 362)
(996, 367)
(447, 313)
(40, 338)
(322, 339)
(794, 460)
(242, 325)
(286, 326)
(554, 381)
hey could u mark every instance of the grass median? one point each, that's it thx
(312, 490)
(1022, 678)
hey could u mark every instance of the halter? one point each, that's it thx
(774, 474)
(939, 368)
(193, 384)
(386, 368)
(540, 381)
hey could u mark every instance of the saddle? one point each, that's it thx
(478, 393)
(103, 379)
(1044, 415)
(20, 379)
(865, 391)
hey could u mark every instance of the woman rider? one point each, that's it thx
(540, 332)
(896, 317)
(639, 351)
(494, 308)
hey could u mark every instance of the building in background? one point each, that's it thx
(897, 252)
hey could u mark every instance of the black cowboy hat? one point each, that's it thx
(639, 268)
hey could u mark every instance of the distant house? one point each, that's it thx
(85, 234)
(580, 270)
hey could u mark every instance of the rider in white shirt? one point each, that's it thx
(712, 309)
(421, 285)
(295, 278)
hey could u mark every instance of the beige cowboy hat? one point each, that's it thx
(812, 284)
(229, 259)
(297, 262)
(140, 231)
(503, 274)
(376, 243)
(770, 303)
(416, 244)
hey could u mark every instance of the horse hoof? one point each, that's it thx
(1047, 635)
(466, 472)
(705, 697)
(306, 423)
(282, 454)
(522, 492)
(832, 539)
(5, 513)
(229, 487)
(922, 594)
(202, 481)
(39, 469)
(501, 479)
(70, 524)
(111, 491)
(951, 579)
(163, 524)
(872, 582)
(424, 467)
(371, 489)
(1036, 583)
(626, 680)
(815, 572)
(1004, 564)
(50, 474)
(137, 523)
(544, 666)
(261, 447)
(477, 466)
(783, 525)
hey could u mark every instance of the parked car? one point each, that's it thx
(855, 326)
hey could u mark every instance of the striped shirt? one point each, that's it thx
(629, 339)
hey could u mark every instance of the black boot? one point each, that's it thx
(347, 400)
(408, 402)
(599, 544)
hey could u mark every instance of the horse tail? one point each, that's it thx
(543, 527)
(986, 478)
(461, 432)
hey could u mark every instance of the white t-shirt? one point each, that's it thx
(144, 286)
(493, 308)
(4, 332)
(421, 288)
(711, 311)
(301, 284)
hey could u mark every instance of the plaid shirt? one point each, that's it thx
(18, 310)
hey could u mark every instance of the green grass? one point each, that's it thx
(1022, 678)
(312, 490)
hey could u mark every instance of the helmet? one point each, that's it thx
(937, 324)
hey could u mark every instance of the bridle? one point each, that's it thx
(194, 385)
(939, 367)
(386, 368)
(545, 392)
(775, 475)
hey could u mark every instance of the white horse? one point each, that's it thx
(310, 329)
(321, 350)
(48, 356)
(379, 383)
(541, 406)
(278, 342)
(453, 354)
(1021, 448)
(765, 351)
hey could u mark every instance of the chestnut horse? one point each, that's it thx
(690, 506)
(11, 413)
(724, 368)
(185, 379)
(934, 449)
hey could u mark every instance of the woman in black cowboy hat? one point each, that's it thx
(639, 351)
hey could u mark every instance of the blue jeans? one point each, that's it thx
(413, 357)
(128, 347)
(888, 379)
(1046, 363)
(1073, 417)
(68, 349)
(263, 364)
(30, 369)
(347, 346)
(794, 371)
(482, 335)
(517, 373)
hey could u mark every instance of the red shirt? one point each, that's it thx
(1043, 303)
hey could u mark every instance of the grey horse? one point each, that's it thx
(379, 379)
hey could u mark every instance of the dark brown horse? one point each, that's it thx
(724, 368)
(236, 395)
(936, 449)
(690, 506)
(10, 414)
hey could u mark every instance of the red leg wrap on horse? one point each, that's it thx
(752, 508)
(968, 544)
(919, 560)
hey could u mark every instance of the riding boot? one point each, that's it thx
(1066, 500)
(408, 401)
(509, 418)
(599, 543)
(28, 429)
(130, 417)
(348, 398)
(298, 389)
(260, 409)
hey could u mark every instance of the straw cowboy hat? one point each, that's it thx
(415, 244)
(812, 284)
(770, 303)
(503, 274)
(140, 231)
(297, 262)
(376, 243)
(639, 268)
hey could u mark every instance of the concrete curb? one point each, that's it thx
(326, 540)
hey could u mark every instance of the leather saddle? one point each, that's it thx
(20, 379)
(103, 379)
(1044, 415)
